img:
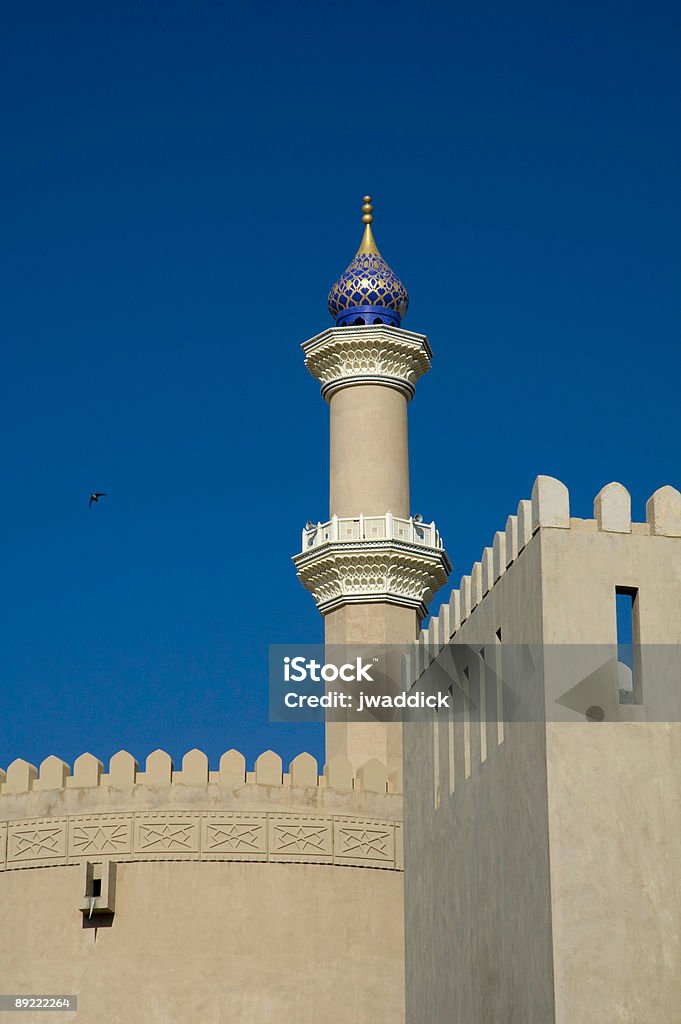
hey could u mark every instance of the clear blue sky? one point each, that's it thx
(180, 185)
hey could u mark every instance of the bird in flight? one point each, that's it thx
(95, 496)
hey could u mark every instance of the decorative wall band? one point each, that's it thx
(100, 835)
(37, 842)
(201, 835)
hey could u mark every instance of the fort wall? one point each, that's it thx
(543, 847)
(291, 880)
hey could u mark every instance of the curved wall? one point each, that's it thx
(237, 901)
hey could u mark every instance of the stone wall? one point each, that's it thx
(543, 854)
(239, 896)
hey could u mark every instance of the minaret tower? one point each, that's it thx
(373, 565)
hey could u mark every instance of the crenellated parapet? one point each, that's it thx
(547, 509)
(55, 816)
(88, 772)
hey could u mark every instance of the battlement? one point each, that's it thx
(88, 772)
(54, 817)
(547, 509)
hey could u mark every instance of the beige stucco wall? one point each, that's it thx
(210, 942)
(615, 847)
(302, 921)
(477, 885)
(546, 886)
(614, 790)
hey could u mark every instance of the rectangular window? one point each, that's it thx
(500, 692)
(466, 724)
(450, 737)
(436, 764)
(483, 708)
(628, 645)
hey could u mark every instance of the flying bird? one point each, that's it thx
(95, 496)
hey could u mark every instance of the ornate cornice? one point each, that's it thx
(377, 354)
(366, 572)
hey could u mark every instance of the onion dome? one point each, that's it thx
(368, 292)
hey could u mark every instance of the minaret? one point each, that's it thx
(373, 565)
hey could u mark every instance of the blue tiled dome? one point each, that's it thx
(368, 292)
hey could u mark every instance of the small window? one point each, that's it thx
(99, 891)
(500, 688)
(628, 653)
(467, 724)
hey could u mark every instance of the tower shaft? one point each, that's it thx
(369, 473)
(369, 459)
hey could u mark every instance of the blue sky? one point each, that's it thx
(179, 186)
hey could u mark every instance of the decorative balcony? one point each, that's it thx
(368, 559)
(387, 527)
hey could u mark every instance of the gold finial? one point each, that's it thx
(368, 243)
(367, 210)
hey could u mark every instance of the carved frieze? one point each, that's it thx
(298, 837)
(36, 842)
(167, 835)
(234, 836)
(365, 842)
(200, 835)
(104, 835)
